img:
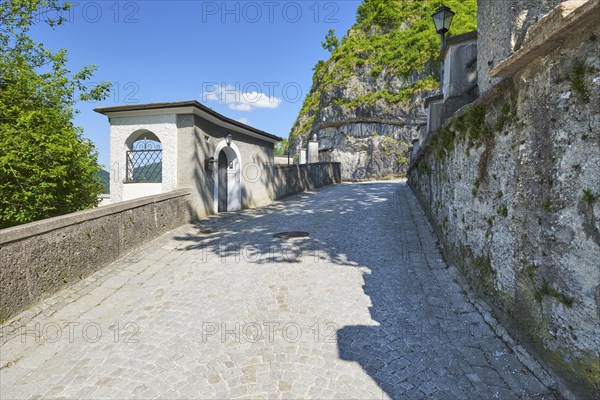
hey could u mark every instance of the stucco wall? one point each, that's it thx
(121, 128)
(512, 191)
(198, 141)
(39, 258)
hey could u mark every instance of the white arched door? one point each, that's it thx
(227, 178)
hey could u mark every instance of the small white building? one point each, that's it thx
(159, 147)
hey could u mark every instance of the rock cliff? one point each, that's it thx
(365, 101)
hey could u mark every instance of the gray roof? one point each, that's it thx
(180, 104)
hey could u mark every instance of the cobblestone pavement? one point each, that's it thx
(362, 308)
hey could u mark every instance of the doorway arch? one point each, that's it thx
(231, 190)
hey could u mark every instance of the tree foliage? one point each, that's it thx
(281, 147)
(331, 42)
(384, 13)
(46, 167)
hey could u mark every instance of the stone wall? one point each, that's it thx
(292, 179)
(39, 258)
(510, 184)
(502, 25)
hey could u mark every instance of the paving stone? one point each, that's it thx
(376, 314)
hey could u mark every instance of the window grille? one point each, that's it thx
(144, 162)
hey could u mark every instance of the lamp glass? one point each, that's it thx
(228, 139)
(442, 18)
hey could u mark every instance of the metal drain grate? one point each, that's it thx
(290, 235)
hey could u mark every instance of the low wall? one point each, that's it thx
(290, 179)
(511, 187)
(39, 258)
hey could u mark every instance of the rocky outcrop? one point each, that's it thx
(368, 143)
(370, 136)
(365, 105)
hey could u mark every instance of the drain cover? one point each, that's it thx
(290, 235)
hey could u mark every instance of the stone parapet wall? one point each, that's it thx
(39, 258)
(292, 179)
(510, 185)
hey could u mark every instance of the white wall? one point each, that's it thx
(121, 128)
(136, 190)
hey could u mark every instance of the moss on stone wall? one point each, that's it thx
(534, 330)
(539, 288)
(525, 153)
(578, 82)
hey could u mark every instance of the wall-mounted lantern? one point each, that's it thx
(442, 19)
(209, 164)
(228, 139)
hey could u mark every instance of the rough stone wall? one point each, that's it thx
(37, 259)
(502, 25)
(515, 202)
(292, 179)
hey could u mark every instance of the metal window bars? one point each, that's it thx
(144, 162)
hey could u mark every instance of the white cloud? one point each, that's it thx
(240, 106)
(211, 97)
(244, 120)
(239, 100)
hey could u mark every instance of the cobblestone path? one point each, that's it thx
(362, 308)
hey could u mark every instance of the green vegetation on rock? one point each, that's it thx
(391, 40)
(577, 78)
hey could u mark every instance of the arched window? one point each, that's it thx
(144, 158)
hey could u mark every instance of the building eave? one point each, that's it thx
(186, 107)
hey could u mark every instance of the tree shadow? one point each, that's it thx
(427, 340)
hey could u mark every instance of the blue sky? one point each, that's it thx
(249, 60)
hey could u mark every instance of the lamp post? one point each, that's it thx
(442, 18)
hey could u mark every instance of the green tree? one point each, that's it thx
(46, 167)
(331, 41)
(281, 147)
